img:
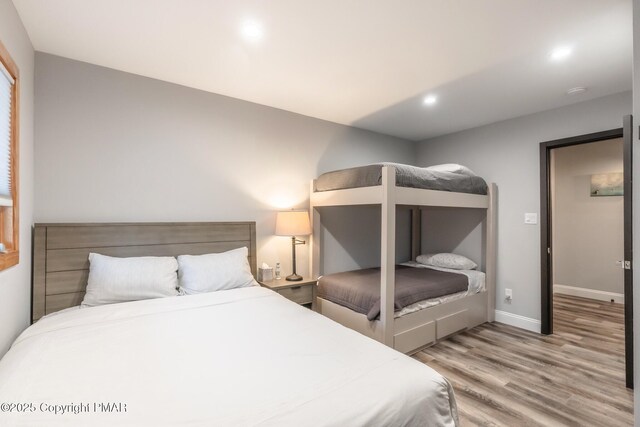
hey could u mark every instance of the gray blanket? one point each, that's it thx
(359, 290)
(443, 178)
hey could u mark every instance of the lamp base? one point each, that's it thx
(294, 277)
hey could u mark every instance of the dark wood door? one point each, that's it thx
(627, 136)
(626, 132)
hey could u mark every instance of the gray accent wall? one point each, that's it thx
(113, 146)
(459, 231)
(15, 282)
(507, 153)
(588, 232)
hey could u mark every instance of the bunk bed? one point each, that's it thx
(390, 186)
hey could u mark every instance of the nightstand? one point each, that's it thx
(301, 292)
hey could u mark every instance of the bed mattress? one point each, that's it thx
(458, 179)
(477, 284)
(242, 357)
(359, 290)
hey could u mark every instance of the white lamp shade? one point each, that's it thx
(293, 223)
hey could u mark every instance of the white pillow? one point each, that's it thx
(129, 279)
(214, 272)
(446, 260)
(424, 258)
(452, 168)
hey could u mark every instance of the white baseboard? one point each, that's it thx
(518, 321)
(588, 293)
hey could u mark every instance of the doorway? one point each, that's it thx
(547, 249)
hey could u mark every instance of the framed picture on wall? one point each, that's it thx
(607, 184)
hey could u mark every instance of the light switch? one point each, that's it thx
(531, 218)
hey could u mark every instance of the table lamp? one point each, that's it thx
(293, 223)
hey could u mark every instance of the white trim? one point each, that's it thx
(588, 293)
(6, 201)
(518, 321)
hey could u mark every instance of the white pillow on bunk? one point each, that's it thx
(214, 272)
(114, 279)
(452, 168)
(447, 260)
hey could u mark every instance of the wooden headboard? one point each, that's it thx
(60, 252)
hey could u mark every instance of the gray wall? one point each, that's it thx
(113, 146)
(507, 153)
(458, 231)
(588, 232)
(15, 283)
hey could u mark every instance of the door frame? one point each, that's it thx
(546, 248)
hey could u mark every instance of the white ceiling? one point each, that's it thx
(366, 63)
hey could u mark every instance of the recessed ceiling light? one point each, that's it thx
(576, 90)
(560, 53)
(430, 100)
(252, 31)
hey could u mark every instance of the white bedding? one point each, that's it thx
(476, 284)
(242, 357)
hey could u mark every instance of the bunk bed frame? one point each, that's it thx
(414, 331)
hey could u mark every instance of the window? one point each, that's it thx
(9, 254)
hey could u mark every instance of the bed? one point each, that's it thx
(244, 356)
(391, 186)
(450, 177)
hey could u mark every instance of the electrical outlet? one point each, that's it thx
(508, 294)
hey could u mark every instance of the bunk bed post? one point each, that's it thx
(491, 266)
(388, 254)
(316, 236)
(416, 232)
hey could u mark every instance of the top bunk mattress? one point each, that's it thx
(449, 177)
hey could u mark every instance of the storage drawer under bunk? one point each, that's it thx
(427, 333)
(415, 338)
(451, 324)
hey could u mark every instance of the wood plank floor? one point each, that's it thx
(505, 376)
